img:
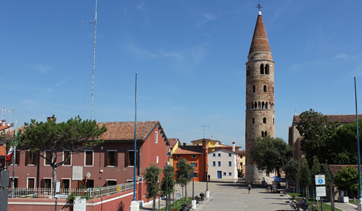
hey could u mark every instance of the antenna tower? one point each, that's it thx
(203, 130)
(94, 56)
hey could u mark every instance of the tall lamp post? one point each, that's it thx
(193, 202)
(207, 193)
(359, 205)
(166, 171)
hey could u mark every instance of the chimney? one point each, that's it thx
(3, 122)
(233, 146)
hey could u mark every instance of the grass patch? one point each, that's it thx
(178, 204)
(299, 197)
(353, 202)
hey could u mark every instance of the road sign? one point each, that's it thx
(61, 196)
(320, 180)
(320, 191)
(178, 196)
(168, 153)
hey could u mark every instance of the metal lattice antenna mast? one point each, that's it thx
(94, 56)
(203, 130)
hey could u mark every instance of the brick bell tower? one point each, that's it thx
(259, 114)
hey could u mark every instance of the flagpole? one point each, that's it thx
(358, 151)
(14, 159)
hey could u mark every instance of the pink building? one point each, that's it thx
(107, 164)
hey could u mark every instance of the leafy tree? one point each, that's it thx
(329, 177)
(271, 154)
(292, 169)
(304, 177)
(317, 131)
(152, 176)
(344, 144)
(347, 179)
(183, 173)
(168, 177)
(75, 135)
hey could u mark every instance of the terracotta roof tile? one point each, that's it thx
(335, 168)
(343, 119)
(188, 150)
(172, 141)
(124, 131)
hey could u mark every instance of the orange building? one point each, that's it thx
(196, 156)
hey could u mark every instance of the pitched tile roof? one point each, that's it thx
(124, 131)
(335, 168)
(188, 150)
(2, 150)
(172, 141)
(343, 119)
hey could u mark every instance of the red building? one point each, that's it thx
(196, 156)
(107, 164)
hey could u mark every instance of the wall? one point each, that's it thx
(199, 169)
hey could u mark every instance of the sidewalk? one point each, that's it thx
(227, 195)
(345, 206)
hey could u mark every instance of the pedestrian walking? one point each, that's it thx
(249, 188)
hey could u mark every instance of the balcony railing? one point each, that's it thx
(87, 193)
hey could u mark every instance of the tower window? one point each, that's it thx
(253, 88)
(266, 105)
(253, 120)
(266, 133)
(265, 88)
(273, 121)
(248, 71)
(267, 69)
(262, 133)
(262, 69)
(264, 120)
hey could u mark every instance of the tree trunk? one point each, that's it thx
(154, 203)
(54, 178)
(186, 192)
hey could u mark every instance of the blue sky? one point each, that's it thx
(190, 58)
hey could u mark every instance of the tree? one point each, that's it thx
(183, 174)
(329, 177)
(347, 179)
(292, 169)
(344, 144)
(152, 176)
(73, 136)
(168, 177)
(271, 154)
(304, 177)
(317, 132)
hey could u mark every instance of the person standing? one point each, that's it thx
(249, 188)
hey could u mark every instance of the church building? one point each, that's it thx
(259, 113)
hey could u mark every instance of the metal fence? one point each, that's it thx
(65, 192)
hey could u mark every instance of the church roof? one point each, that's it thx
(260, 41)
(343, 119)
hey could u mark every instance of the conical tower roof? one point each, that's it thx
(260, 41)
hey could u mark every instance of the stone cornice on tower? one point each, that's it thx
(260, 43)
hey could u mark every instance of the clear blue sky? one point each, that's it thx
(189, 55)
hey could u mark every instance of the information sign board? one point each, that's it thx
(320, 180)
(320, 191)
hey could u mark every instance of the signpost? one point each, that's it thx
(320, 189)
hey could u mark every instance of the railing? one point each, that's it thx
(87, 193)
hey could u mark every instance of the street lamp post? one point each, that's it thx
(166, 171)
(193, 202)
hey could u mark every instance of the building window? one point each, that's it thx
(129, 161)
(213, 155)
(65, 185)
(195, 174)
(266, 133)
(264, 120)
(47, 155)
(31, 158)
(194, 164)
(224, 173)
(229, 154)
(248, 71)
(267, 69)
(229, 163)
(157, 160)
(156, 137)
(11, 182)
(178, 156)
(111, 158)
(218, 154)
(229, 173)
(31, 183)
(193, 156)
(262, 69)
(219, 163)
(46, 183)
(253, 88)
(253, 121)
(88, 158)
(262, 133)
(90, 183)
(213, 163)
(111, 182)
(67, 157)
(265, 88)
(273, 121)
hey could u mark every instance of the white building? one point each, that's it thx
(222, 164)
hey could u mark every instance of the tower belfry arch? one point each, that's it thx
(259, 105)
